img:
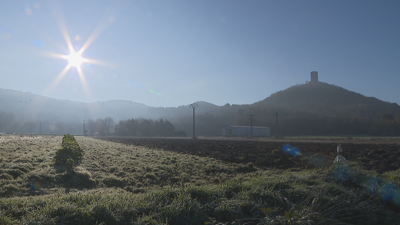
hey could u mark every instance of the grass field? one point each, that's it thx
(117, 183)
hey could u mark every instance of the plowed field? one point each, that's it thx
(378, 157)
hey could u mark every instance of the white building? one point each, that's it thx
(240, 131)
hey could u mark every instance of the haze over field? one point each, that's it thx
(177, 52)
(199, 112)
(315, 108)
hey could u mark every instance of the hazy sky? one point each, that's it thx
(171, 53)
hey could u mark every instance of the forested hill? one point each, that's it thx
(318, 108)
(315, 108)
(329, 100)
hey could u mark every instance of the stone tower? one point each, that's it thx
(314, 76)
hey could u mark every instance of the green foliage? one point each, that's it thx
(70, 153)
(70, 164)
(7, 219)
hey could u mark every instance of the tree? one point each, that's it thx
(91, 127)
(108, 125)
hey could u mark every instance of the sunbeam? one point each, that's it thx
(75, 58)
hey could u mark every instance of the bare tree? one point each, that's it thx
(108, 125)
(91, 127)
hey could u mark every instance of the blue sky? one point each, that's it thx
(172, 53)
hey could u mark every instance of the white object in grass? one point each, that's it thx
(339, 159)
(339, 149)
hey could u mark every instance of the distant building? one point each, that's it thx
(241, 131)
(314, 76)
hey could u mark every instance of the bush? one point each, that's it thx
(70, 154)
(70, 164)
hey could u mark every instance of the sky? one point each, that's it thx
(173, 53)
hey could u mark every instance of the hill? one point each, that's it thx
(326, 99)
(314, 108)
(318, 108)
(28, 106)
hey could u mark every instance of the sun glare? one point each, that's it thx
(74, 59)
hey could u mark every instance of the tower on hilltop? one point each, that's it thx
(314, 76)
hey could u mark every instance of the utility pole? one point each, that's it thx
(40, 128)
(277, 133)
(83, 127)
(251, 124)
(193, 106)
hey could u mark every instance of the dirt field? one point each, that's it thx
(372, 155)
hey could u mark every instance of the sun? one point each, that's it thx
(74, 59)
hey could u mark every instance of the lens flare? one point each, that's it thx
(388, 191)
(342, 171)
(5, 36)
(38, 43)
(75, 58)
(36, 185)
(396, 198)
(28, 11)
(37, 5)
(289, 149)
(111, 19)
(372, 185)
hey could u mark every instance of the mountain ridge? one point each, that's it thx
(313, 93)
(316, 102)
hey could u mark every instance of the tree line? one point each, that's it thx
(102, 126)
(147, 128)
(291, 123)
(9, 123)
(294, 123)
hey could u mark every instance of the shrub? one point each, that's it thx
(70, 164)
(70, 151)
